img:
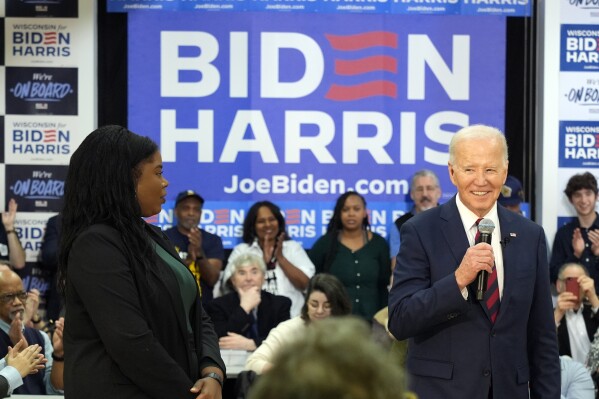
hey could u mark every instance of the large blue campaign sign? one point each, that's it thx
(299, 108)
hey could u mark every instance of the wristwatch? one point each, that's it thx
(216, 376)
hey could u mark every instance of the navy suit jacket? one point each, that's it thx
(454, 349)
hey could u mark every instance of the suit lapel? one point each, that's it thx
(507, 221)
(453, 230)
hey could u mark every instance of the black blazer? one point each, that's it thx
(591, 321)
(125, 332)
(229, 316)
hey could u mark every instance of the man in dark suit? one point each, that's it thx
(243, 318)
(503, 346)
(575, 313)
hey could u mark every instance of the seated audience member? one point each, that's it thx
(578, 241)
(12, 330)
(576, 380)
(511, 194)
(201, 251)
(49, 263)
(288, 267)
(325, 297)
(356, 255)
(575, 314)
(333, 359)
(244, 317)
(18, 363)
(31, 317)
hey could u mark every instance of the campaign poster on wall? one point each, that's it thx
(299, 109)
(41, 91)
(36, 188)
(35, 42)
(578, 142)
(41, 140)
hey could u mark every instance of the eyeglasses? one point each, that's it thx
(7, 298)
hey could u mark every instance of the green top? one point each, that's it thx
(188, 288)
(365, 273)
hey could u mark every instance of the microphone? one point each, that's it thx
(485, 229)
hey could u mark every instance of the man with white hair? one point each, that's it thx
(503, 345)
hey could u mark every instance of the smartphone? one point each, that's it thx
(572, 286)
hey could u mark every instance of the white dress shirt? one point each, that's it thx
(469, 221)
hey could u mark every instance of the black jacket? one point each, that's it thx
(125, 333)
(229, 316)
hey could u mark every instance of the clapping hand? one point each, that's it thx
(194, 249)
(577, 243)
(26, 359)
(594, 238)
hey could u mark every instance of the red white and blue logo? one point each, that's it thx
(579, 144)
(579, 48)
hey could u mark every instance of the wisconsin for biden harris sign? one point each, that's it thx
(299, 108)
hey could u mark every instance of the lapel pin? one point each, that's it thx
(512, 234)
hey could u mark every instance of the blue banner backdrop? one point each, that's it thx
(300, 108)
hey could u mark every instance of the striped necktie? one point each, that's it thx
(491, 297)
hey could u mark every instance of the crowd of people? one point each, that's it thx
(149, 310)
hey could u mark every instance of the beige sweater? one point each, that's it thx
(279, 336)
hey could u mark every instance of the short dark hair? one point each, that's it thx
(249, 223)
(584, 181)
(100, 188)
(333, 289)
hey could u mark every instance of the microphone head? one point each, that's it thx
(486, 226)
